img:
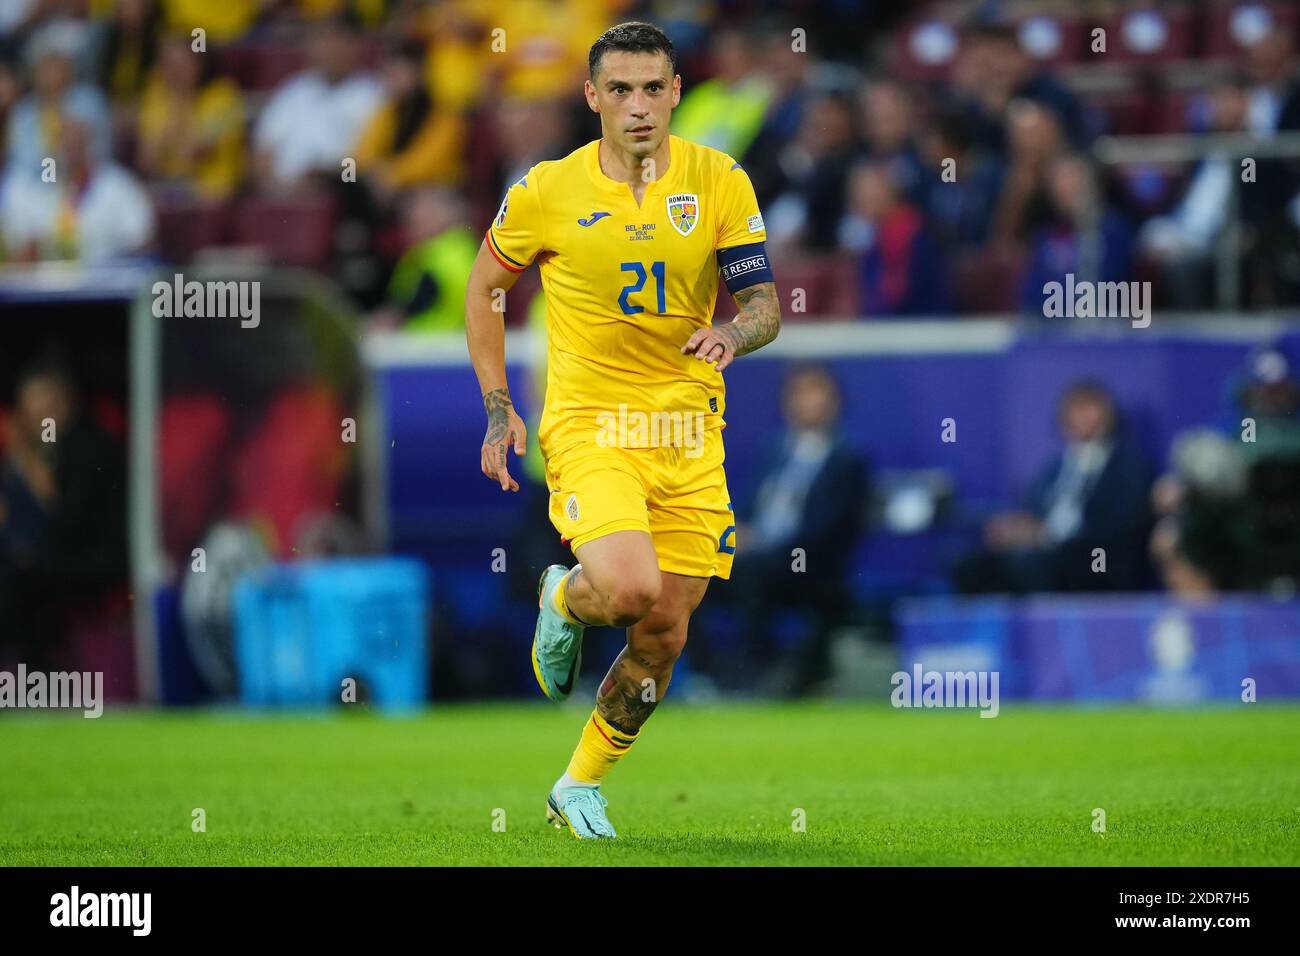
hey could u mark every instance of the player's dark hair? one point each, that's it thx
(632, 37)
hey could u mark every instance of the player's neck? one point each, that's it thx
(623, 167)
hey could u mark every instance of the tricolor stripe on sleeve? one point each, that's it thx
(501, 257)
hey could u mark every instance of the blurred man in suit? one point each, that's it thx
(797, 535)
(1092, 495)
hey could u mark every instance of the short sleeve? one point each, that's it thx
(739, 222)
(516, 235)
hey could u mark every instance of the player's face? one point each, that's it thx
(634, 93)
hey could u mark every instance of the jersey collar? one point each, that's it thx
(598, 177)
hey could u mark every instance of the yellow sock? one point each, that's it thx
(601, 746)
(561, 604)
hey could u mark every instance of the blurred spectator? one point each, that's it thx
(1274, 99)
(726, 112)
(17, 16)
(1270, 207)
(993, 71)
(427, 289)
(1201, 540)
(191, 133)
(10, 92)
(1230, 506)
(787, 71)
(811, 497)
(528, 132)
(1034, 141)
(408, 142)
(901, 269)
(456, 31)
(1093, 495)
(311, 123)
(128, 48)
(35, 123)
(689, 24)
(62, 511)
(1182, 243)
(889, 116)
(368, 12)
(1084, 235)
(1271, 400)
(815, 166)
(1268, 394)
(959, 205)
(222, 22)
(545, 45)
(94, 211)
(19, 19)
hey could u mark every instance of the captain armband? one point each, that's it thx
(743, 266)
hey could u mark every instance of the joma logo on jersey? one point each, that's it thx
(684, 212)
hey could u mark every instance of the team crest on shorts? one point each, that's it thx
(684, 212)
(571, 506)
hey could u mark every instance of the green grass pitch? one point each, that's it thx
(704, 786)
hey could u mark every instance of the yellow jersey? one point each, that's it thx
(626, 284)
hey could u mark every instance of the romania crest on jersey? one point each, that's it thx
(684, 212)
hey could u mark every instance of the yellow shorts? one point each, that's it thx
(675, 494)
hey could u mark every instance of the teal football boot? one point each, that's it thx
(557, 644)
(582, 810)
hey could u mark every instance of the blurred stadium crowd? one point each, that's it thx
(927, 159)
(374, 138)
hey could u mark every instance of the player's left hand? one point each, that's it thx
(712, 345)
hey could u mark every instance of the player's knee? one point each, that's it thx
(661, 648)
(631, 600)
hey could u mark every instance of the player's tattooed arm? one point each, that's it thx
(757, 323)
(505, 429)
(497, 404)
(759, 320)
(485, 337)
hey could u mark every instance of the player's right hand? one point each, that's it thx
(505, 431)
